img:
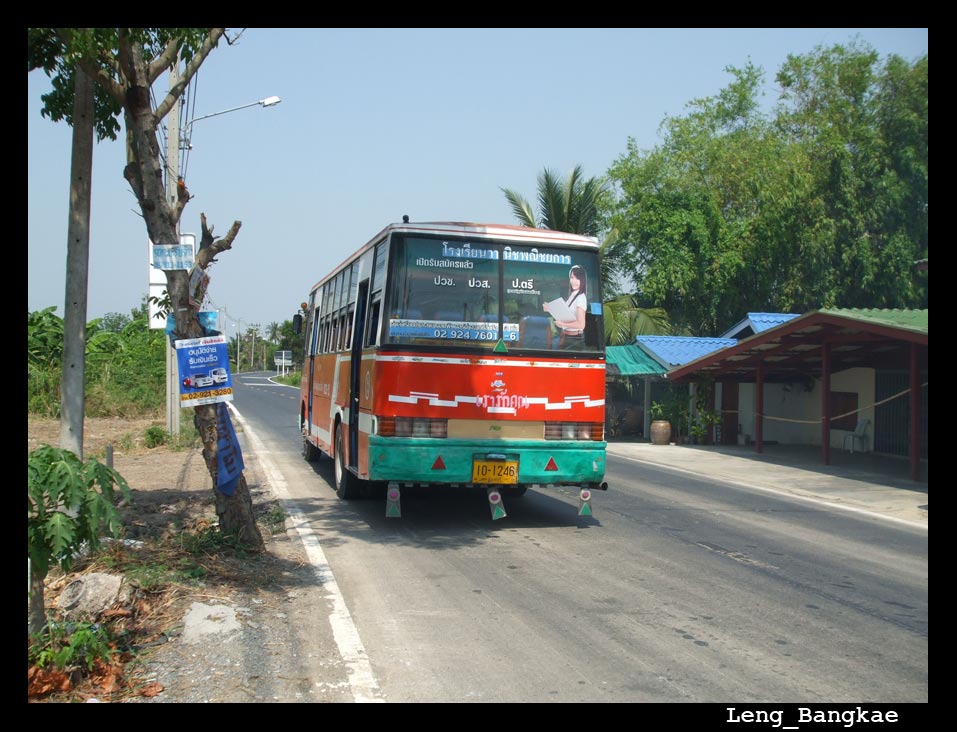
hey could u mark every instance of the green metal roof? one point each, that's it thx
(915, 320)
(630, 360)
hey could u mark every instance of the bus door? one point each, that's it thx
(355, 369)
(309, 359)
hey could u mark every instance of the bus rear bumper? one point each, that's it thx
(450, 462)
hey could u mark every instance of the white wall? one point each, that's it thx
(864, 382)
(798, 411)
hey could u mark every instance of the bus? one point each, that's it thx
(457, 355)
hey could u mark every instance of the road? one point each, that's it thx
(677, 589)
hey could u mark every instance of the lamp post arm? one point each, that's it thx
(267, 102)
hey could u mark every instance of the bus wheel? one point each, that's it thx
(347, 485)
(309, 451)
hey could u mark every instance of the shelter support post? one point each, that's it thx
(915, 416)
(759, 410)
(826, 402)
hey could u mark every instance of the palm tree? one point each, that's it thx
(625, 320)
(574, 205)
(570, 205)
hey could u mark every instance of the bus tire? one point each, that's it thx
(309, 451)
(347, 485)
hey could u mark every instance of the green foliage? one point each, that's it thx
(58, 51)
(822, 203)
(156, 436)
(211, 540)
(70, 645)
(152, 571)
(293, 378)
(570, 205)
(274, 519)
(70, 504)
(125, 369)
(671, 404)
(625, 320)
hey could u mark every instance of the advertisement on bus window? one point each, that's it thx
(454, 292)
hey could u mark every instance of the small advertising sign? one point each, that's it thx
(157, 277)
(198, 282)
(173, 256)
(204, 371)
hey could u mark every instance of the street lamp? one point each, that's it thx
(267, 102)
(174, 148)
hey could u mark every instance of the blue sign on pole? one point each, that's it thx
(204, 371)
(229, 456)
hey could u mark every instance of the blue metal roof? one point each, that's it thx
(755, 323)
(672, 351)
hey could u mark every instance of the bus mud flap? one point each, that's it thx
(392, 507)
(495, 503)
(584, 502)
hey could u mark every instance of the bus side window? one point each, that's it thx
(372, 324)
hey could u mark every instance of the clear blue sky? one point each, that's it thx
(377, 123)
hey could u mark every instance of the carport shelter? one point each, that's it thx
(629, 363)
(816, 345)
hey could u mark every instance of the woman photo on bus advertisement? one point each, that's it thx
(572, 328)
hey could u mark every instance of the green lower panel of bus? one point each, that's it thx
(519, 462)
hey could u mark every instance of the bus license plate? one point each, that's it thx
(495, 471)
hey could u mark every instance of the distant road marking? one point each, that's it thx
(362, 681)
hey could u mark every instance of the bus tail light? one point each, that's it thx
(412, 427)
(593, 431)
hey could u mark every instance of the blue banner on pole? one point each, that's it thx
(229, 455)
(203, 370)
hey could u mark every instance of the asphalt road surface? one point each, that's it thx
(677, 589)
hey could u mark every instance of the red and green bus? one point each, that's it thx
(455, 355)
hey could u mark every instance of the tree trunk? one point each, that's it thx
(38, 616)
(144, 172)
(235, 512)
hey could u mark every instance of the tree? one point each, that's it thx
(69, 505)
(822, 203)
(863, 127)
(625, 320)
(564, 205)
(125, 63)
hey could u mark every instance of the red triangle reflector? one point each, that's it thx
(551, 464)
(439, 464)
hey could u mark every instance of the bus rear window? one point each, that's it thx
(478, 292)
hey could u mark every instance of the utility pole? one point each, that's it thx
(77, 269)
(172, 173)
(252, 348)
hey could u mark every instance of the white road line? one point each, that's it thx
(362, 681)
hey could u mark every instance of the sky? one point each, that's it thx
(378, 123)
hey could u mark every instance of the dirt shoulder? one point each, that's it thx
(262, 635)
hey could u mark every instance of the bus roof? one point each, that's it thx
(491, 231)
(498, 231)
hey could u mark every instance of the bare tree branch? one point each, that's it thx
(192, 67)
(209, 247)
(166, 59)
